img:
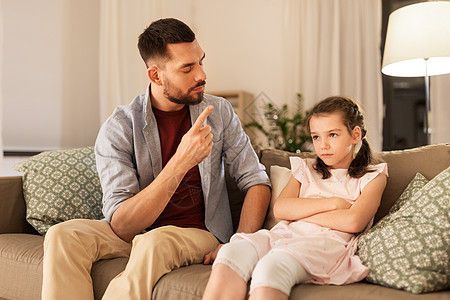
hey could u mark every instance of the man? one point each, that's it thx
(162, 175)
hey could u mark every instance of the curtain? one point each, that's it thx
(333, 48)
(440, 107)
(122, 71)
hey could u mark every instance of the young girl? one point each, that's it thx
(326, 203)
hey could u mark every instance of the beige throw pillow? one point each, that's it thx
(279, 176)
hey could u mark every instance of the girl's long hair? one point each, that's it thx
(351, 117)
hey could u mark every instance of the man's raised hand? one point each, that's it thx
(197, 143)
(202, 118)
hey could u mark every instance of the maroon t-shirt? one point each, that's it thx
(186, 207)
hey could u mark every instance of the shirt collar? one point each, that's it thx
(147, 105)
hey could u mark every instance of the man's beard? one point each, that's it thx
(177, 97)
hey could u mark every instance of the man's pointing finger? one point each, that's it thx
(202, 118)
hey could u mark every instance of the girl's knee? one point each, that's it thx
(229, 251)
(278, 270)
(240, 256)
(240, 251)
(268, 268)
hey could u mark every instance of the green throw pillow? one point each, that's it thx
(413, 187)
(418, 182)
(408, 249)
(59, 186)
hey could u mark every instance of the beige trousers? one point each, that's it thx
(70, 249)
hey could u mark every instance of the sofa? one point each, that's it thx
(21, 249)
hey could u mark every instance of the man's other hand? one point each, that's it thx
(209, 258)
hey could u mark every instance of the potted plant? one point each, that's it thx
(283, 130)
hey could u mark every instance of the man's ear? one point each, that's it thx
(356, 134)
(153, 73)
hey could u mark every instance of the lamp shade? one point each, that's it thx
(418, 40)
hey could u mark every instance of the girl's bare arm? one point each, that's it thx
(289, 206)
(356, 218)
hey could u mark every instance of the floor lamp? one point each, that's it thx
(418, 44)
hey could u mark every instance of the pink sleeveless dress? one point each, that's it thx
(327, 255)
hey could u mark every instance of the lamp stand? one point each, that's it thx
(427, 103)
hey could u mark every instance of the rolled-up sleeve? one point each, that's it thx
(115, 163)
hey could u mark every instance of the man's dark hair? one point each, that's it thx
(153, 41)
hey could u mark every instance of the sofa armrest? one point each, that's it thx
(12, 207)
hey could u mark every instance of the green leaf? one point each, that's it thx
(287, 132)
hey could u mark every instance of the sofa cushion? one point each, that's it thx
(21, 266)
(103, 271)
(409, 248)
(404, 164)
(59, 186)
(12, 206)
(275, 157)
(358, 291)
(188, 283)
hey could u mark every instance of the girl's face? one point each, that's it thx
(332, 141)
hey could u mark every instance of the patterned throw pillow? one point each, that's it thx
(413, 187)
(418, 182)
(409, 249)
(59, 186)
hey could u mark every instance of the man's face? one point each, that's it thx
(183, 77)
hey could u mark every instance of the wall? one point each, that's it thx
(50, 74)
(440, 108)
(51, 58)
(80, 74)
(245, 45)
(243, 41)
(31, 90)
(51, 63)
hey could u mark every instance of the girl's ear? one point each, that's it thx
(356, 134)
(153, 74)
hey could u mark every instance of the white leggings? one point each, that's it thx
(276, 269)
